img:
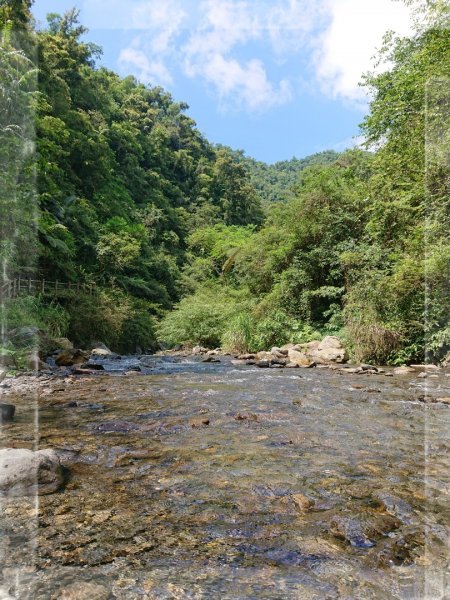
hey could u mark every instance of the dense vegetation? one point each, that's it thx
(276, 182)
(189, 243)
(123, 178)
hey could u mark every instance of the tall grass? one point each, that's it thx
(34, 311)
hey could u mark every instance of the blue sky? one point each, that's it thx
(275, 78)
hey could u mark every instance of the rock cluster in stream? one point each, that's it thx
(328, 351)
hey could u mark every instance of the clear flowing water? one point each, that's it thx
(212, 481)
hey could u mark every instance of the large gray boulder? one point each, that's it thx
(25, 473)
(27, 335)
(328, 351)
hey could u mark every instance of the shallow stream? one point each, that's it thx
(216, 481)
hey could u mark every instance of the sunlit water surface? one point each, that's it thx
(216, 481)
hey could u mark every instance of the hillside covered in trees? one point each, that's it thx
(277, 181)
(189, 243)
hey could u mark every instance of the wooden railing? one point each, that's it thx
(23, 286)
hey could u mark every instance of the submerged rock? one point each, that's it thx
(24, 472)
(83, 590)
(351, 531)
(211, 358)
(302, 502)
(195, 423)
(92, 366)
(443, 399)
(116, 427)
(246, 417)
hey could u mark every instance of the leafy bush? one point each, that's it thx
(278, 329)
(138, 332)
(199, 319)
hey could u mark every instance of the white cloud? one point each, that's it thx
(208, 55)
(345, 49)
(235, 47)
(244, 84)
(291, 22)
(356, 141)
(148, 55)
(151, 72)
(163, 20)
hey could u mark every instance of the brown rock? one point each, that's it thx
(264, 356)
(298, 358)
(302, 502)
(287, 347)
(279, 352)
(195, 423)
(34, 363)
(246, 417)
(62, 343)
(199, 350)
(68, 358)
(329, 350)
(444, 400)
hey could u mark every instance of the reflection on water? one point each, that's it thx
(211, 481)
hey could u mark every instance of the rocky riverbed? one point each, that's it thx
(217, 480)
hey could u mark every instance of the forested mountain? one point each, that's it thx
(123, 178)
(171, 229)
(363, 249)
(275, 182)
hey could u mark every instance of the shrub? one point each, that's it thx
(279, 328)
(198, 319)
(138, 332)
